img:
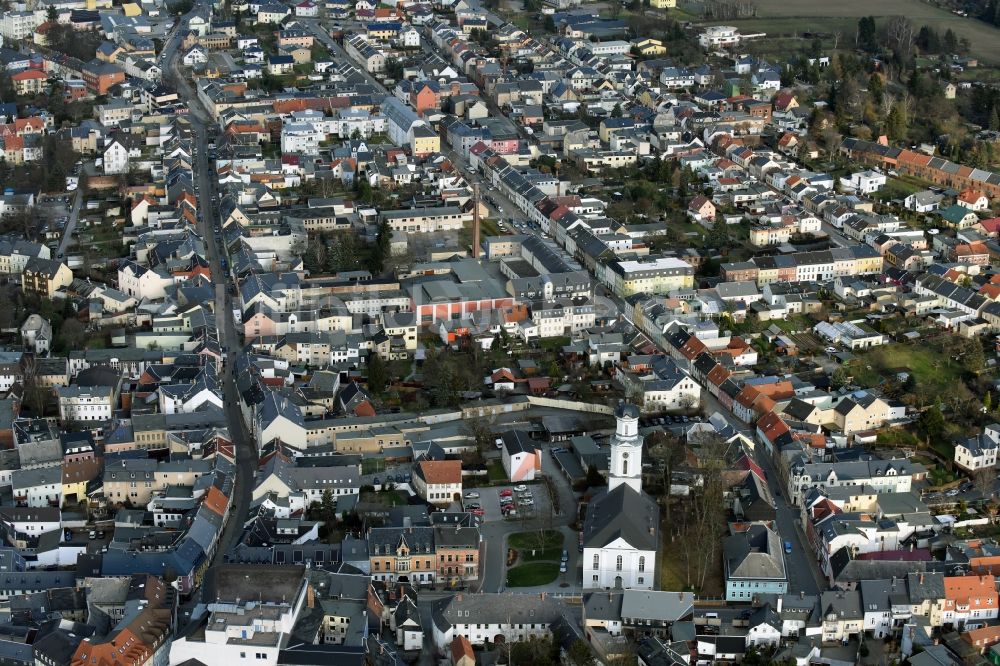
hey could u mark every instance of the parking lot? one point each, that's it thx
(489, 500)
(81, 535)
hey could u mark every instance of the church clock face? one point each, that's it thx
(625, 456)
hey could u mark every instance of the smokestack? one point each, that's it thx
(475, 220)
(779, 602)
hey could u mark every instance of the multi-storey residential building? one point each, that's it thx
(250, 618)
(438, 481)
(44, 277)
(86, 403)
(138, 479)
(425, 220)
(754, 563)
(457, 552)
(481, 618)
(980, 451)
(15, 25)
(974, 597)
(397, 553)
(886, 476)
(654, 276)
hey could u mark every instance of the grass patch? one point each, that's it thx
(553, 343)
(372, 465)
(384, 497)
(898, 437)
(929, 366)
(546, 555)
(545, 539)
(532, 574)
(487, 227)
(795, 322)
(938, 476)
(495, 471)
(776, 18)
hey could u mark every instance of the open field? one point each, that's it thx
(778, 17)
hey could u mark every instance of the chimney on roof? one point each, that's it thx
(475, 221)
(780, 598)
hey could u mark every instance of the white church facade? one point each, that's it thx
(621, 529)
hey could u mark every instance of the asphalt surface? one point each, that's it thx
(74, 215)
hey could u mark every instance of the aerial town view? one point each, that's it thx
(499, 332)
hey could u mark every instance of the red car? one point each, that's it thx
(506, 492)
(477, 512)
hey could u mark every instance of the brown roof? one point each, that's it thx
(461, 647)
(216, 501)
(440, 472)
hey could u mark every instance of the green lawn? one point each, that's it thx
(495, 471)
(385, 497)
(898, 437)
(488, 227)
(553, 343)
(533, 539)
(795, 322)
(532, 574)
(547, 555)
(372, 465)
(927, 364)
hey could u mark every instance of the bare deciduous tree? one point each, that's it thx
(901, 36)
(705, 511)
(983, 481)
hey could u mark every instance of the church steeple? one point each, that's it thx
(626, 449)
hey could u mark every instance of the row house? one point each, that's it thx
(424, 555)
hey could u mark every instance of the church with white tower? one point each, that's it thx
(621, 529)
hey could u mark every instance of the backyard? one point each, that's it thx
(934, 370)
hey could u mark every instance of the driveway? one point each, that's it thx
(74, 215)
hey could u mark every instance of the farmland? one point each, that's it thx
(779, 17)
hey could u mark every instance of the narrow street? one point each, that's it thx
(74, 215)
(229, 337)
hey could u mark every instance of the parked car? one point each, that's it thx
(562, 567)
(472, 494)
(93, 534)
(506, 492)
(788, 546)
(527, 501)
(520, 488)
(565, 556)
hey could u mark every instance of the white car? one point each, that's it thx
(472, 495)
(526, 501)
(830, 350)
(521, 488)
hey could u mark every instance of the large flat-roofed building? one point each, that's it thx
(659, 275)
(426, 220)
(251, 613)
